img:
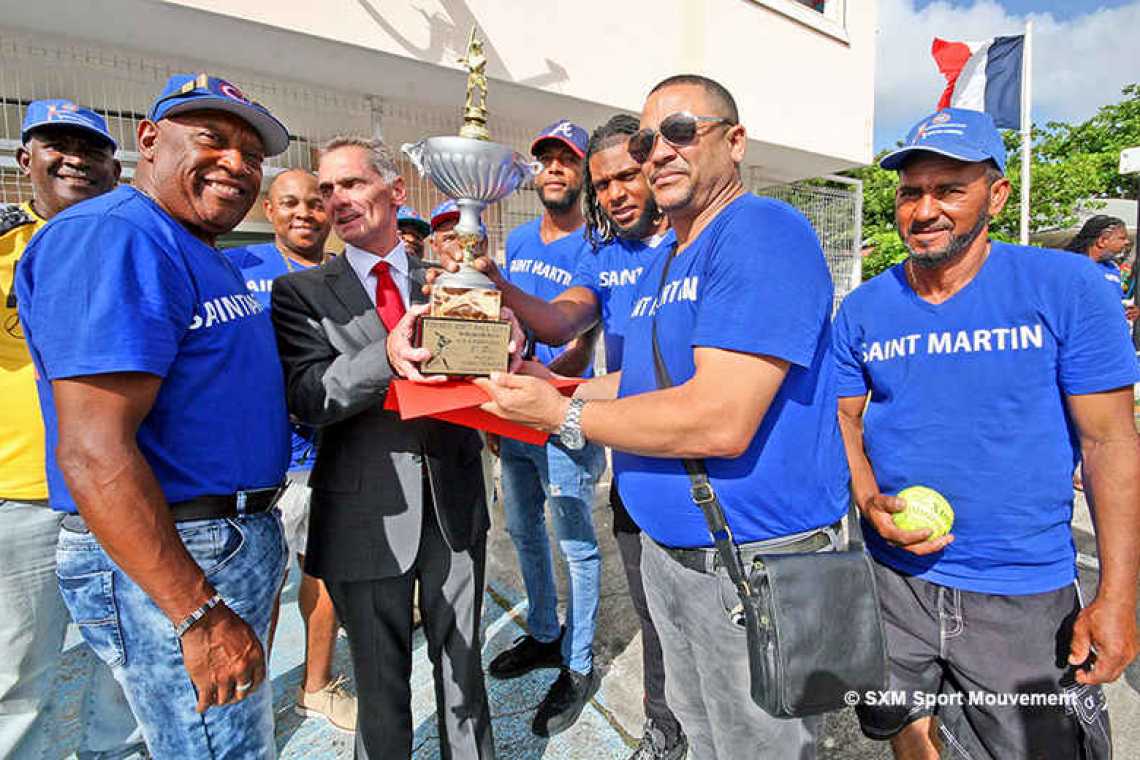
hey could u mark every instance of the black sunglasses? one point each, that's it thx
(678, 129)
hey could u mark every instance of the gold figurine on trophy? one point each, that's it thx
(464, 329)
(475, 110)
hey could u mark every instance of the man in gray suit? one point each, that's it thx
(393, 502)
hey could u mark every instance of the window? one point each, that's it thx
(826, 16)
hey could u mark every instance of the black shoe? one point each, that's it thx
(564, 702)
(654, 745)
(527, 654)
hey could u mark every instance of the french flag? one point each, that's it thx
(983, 76)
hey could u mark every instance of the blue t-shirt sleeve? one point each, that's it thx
(586, 272)
(766, 289)
(104, 297)
(850, 380)
(510, 254)
(1096, 352)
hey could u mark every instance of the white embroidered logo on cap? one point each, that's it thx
(566, 129)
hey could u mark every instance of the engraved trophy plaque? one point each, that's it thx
(463, 330)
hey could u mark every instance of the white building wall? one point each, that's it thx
(121, 83)
(804, 81)
(807, 87)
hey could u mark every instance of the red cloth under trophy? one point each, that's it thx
(458, 401)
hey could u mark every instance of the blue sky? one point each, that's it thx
(1085, 51)
(1061, 9)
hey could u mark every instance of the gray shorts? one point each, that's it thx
(993, 668)
(294, 506)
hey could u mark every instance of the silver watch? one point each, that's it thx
(570, 431)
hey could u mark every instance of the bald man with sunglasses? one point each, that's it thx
(739, 311)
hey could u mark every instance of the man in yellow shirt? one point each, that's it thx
(68, 156)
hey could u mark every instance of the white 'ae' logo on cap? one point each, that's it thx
(566, 129)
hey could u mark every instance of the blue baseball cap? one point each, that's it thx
(59, 112)
(409, 214)
(201, 92)
(448, 210)
(566, 132)
(954, 132)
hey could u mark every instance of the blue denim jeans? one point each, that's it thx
(32, 629)
(535, 474)
(244, 559)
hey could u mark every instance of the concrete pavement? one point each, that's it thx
(608, 729)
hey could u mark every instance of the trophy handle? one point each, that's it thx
(529, 169)
(415, 152)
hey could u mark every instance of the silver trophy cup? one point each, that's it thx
(475, 173)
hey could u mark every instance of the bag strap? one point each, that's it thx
(701, 490)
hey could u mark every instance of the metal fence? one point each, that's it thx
(120, 84)
(834, 206)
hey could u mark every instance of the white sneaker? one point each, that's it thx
(333, 703)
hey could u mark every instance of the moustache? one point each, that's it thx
(672, 168)
(918, 229)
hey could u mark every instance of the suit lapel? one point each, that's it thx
(345, 285)
(417, 270)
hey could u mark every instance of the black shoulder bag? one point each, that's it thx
(812, 620)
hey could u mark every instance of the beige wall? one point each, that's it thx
(805, 91)
(797, 86)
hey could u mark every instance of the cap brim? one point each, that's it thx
(557, 138)
(894, 160)
(441, 218)
(26, 131)
(423, 226)
(273, 133)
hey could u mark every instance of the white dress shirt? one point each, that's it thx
(362, 263)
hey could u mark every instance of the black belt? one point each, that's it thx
(707, 560)
(230, 505)
(206, 507)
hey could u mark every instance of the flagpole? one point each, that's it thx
(1026, 128)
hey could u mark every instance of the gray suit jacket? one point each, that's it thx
(368, 477)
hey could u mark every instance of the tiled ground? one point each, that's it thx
(603, 731)
(512, 702)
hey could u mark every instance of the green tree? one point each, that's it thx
(1071, 164)
(879, 217)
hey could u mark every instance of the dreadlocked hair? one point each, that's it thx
(599, 228)
(1093, 229)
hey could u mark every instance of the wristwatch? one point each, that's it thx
(571, 429)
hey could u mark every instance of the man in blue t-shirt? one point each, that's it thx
(542, 256)
(414, 230)
(164, 407)
(67, 155)
(741, 307)
(1104, 239)
(989, 368)
(294, 207)
(625, 229)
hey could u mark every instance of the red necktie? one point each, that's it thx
(389, 305)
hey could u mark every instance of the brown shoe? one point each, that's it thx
(333, 703)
